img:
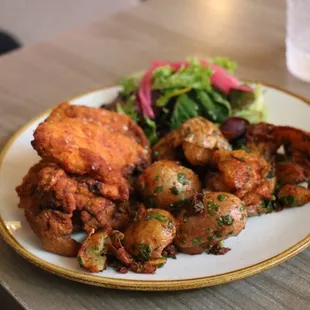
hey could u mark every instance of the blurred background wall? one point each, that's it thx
(32, 21)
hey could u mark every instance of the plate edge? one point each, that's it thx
(148, 285)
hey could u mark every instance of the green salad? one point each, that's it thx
(169, 93)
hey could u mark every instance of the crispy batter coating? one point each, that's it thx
(55, 203)
(89, 141)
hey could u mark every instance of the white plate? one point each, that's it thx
(266, 241)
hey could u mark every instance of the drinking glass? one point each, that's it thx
(298, 38)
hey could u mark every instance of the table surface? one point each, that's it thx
(39, 76)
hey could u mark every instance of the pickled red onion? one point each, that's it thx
(220, 79)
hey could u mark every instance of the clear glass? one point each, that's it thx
(298, 38)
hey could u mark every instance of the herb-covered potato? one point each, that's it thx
(93, 252)
(197, 137)
(213, 217)
(167, 185)
(151, 231)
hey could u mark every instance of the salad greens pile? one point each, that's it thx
(168, 94)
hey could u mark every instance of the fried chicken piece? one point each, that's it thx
(88, 141)
(113, 121)
(55, 203)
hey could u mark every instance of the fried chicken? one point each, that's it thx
(55, 203)
(87, 141)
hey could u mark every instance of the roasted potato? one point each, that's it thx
(167, 185)
(197, 137)
(213, 217)
(200, 139)
(93, 252)
(151, 231)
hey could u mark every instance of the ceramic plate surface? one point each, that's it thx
(266, 241)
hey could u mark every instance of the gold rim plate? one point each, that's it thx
(147, 285)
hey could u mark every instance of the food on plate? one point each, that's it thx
(93, 252)
(197, 137)
(169, 93)
(56, 203)
(150, 233)
(292, 195)
(213, 217)
(98, 143)
(167, 185)
(214, 163)
(246, 175)
(234, 127)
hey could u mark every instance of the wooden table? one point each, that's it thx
(39, 76)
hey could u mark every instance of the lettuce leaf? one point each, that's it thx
(213, 106)
(150, 130)
(128, 108)
(129, 85)
(194, 76)
(257, 111)
(225, 63)
(170, 93)
(184, 109)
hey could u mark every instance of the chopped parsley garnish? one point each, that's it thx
(155, 154)
(211, 238)
(196, 241)
(230, 233)
(175, 191)
(80, 261)
(246, 149)
(145, 251)
(221, 197)
(183, 241)
(94, 248)
(268, 204)
(208, 230)
(289, 200)
(156, 216)
(242, 217)
(213, 208)
(225, 220)
(242, 208)
(156, 178)
(160, 265)
(218, 235)
(158, 189)
(182, 178)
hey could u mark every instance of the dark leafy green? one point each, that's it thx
(184, 109)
